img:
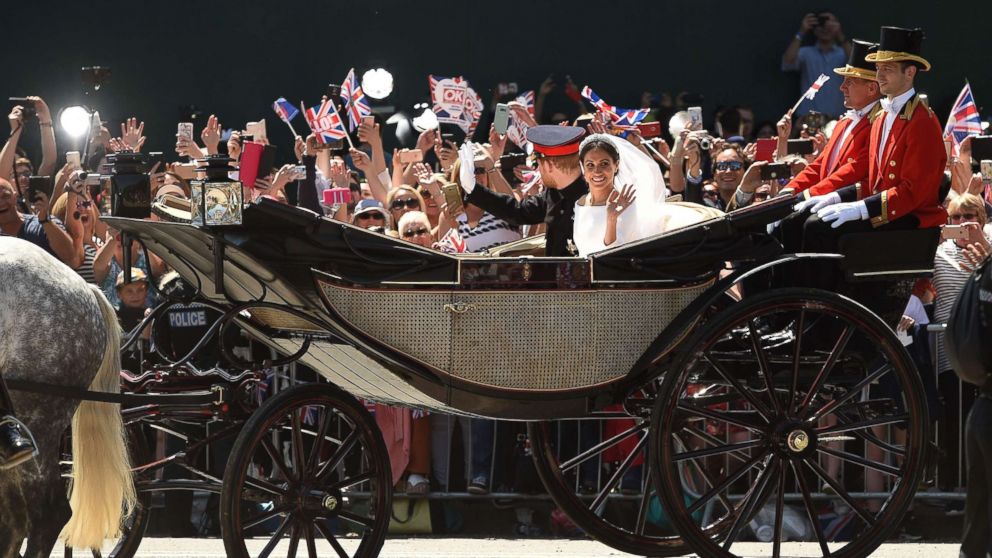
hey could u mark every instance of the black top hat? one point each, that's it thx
(857, 66)
(897, 44)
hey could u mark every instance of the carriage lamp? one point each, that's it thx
(217, 200)
(127, 186)
(125, 191)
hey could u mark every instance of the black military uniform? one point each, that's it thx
(555, 206)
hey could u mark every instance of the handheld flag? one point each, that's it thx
(811, 92)
(353, 100)
(325, 122)
(286, 112)
(622, 118)
(964, 120)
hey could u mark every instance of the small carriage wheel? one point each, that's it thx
(763, 398)
(626, 527)
(134, 526)
(308, 471)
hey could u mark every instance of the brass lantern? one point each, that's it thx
(217, 199)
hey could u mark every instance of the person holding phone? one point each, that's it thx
(8, 155)
(38, 228)
(829, 49)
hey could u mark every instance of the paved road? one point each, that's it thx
(501, 548)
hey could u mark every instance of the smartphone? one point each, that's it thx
(775, 171)
(337, 196)
(765, 149)
(799, 146)
(29, 111)
(333, 92)
(185, 130)
(955, 232)
(38, 185)
(981, 149)
(695, 118)
(649, 130)
(502, 119)
(72, 159)
(368, 120)
(453, 197)
(256, 129)
(408, 156)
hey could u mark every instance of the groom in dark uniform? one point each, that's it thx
(557, 150)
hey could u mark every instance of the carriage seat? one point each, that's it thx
(889, 255)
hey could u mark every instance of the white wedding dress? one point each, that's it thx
(647, 216)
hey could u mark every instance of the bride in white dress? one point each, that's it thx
(626, 199)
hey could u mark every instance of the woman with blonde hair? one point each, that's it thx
(403, 199)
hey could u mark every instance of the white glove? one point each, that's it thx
(770, 227)
(841, 213)
(816, 203)
(467, 173)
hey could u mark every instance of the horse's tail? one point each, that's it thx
(102, 492)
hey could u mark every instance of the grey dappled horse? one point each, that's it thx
(55, 328)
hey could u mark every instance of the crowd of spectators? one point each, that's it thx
(408, 201)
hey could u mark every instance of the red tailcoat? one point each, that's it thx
(907, 179)
(813, 179)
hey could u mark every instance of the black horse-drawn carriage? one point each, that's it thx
(738, 405)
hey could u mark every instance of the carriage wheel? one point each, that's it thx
(769, 396)
(309, 470)
(599, 508)
(134, 527)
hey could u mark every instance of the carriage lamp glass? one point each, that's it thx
(217, 200)
(126, 186)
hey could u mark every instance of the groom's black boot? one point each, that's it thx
(16, 443)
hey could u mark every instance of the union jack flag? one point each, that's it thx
(517, 132)
(622, 118)
(527, 99)
(285, 109)
(963, 120)
(451, 242)
(811, 92)
(353, 100)
(325, 122)
(308, 415)
(599, 103)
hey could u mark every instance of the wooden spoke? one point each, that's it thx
(602, 446)
(811, 513)
(821, 376)
(764, 366)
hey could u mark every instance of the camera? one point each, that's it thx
(30, 112)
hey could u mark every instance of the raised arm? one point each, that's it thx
(49, 153)
(9, 153)
(790, 59)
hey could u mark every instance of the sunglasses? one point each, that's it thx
(425, 193)
(411, 203)
(963, 217)
(415, 232)
(729, 166)
(761, 195)
(370, 215)
(480, 170)
(709, 193)
(85, 204)
(24, 174)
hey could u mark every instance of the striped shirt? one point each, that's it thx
(86, 269)
(489, 233)
(948, 279)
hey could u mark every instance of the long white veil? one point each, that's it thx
(649, 185)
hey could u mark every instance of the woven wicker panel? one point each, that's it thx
(558, 340)
(414, 323)
(521, 340)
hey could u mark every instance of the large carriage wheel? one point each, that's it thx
(620, 523)
(309, 471)
(134, 527)
(764, 398)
